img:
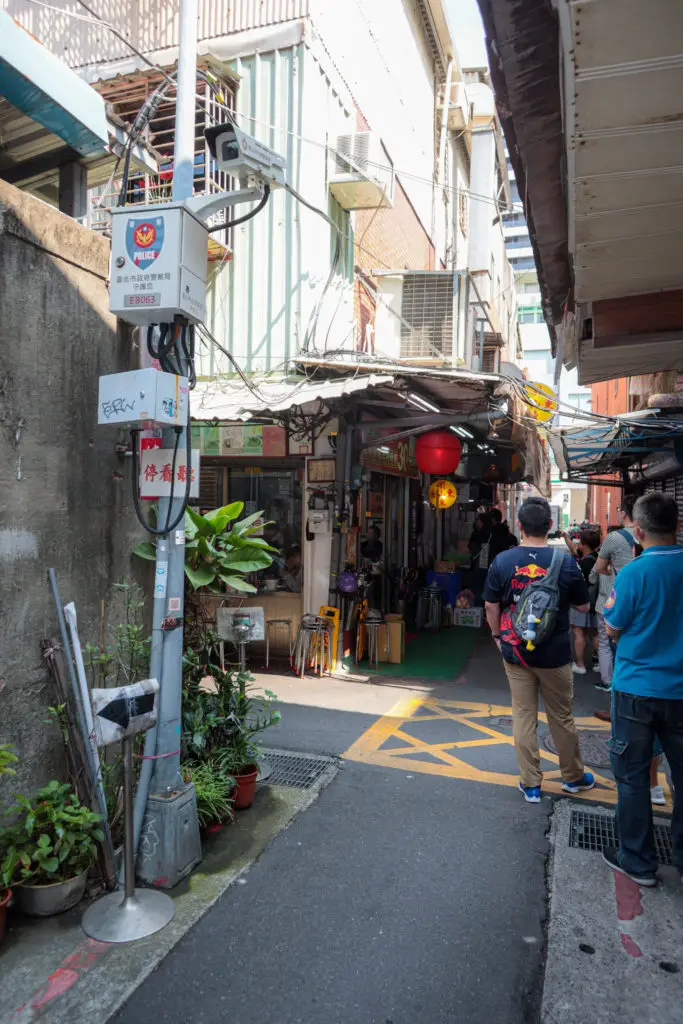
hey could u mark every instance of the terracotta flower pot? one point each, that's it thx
(5, 897)
(245, 788)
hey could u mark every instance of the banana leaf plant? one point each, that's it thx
(220, 548)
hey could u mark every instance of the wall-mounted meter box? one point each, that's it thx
(143, 399)
(159, 257)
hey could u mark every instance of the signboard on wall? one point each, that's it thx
(396, 457)
(157, 473)
(241, 440)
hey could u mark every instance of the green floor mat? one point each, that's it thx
(433, 656)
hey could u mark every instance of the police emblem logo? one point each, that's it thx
(144, 241)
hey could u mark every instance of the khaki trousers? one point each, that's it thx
(556, 687)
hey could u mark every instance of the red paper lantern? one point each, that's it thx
(438, 452)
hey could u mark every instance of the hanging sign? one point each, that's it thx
(156, 473)
(540, 402)
(122, 711)
(443, 494)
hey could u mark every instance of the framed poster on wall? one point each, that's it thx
(321, 471)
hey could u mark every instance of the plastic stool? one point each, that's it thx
(275, 624)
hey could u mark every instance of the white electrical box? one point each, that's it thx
(143, 399)
(159, 256)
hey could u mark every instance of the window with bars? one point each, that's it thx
(427, 319)
(126, 95)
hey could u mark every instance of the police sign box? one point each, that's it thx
(159, 259)
(123, 711)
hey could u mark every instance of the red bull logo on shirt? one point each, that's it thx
(528, 573)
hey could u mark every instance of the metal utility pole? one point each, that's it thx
(170, 844)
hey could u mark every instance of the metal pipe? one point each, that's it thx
(478, 417)
(95, 786)
(145, 778)
(129, 840)
(183, 149)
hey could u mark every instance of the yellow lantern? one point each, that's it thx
(540, 401)
(442, 494)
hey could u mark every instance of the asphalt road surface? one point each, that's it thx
(398, 897)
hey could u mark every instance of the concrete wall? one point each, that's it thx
(65, 497)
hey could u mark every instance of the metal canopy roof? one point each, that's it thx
(229, 399)
(451, 390)
(612, 446)
(623, 67)
(50, 117)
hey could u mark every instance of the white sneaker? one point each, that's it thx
(578, 670)
(657, 796)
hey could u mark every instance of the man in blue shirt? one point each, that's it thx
(643, 615)
(545, 670)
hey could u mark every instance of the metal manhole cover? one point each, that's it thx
(590, 830)
(593, 748)
(301, 771)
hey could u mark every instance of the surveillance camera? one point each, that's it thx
(242, 156)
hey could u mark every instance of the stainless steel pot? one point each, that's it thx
(46, 900)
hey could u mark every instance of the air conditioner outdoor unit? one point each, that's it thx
(417, 315)
(361, 175)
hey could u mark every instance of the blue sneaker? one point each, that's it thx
(532, 794)
(587, 782)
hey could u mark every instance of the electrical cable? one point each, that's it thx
(135, 470)
(309, 336)
(245, 217)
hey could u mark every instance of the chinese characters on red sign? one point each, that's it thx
(156, 473)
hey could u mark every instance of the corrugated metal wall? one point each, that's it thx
(260, 302)
(149, 24)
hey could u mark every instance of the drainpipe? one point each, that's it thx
(443, 137)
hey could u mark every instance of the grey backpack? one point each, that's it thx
(535, 614)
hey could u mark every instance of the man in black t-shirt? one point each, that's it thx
(547, 668)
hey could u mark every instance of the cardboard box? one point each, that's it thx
(397, 640)
(468, 617)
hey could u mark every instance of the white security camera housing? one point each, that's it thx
(242, 156)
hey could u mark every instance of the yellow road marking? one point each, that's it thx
(437, 760)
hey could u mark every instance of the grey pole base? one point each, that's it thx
(119, 918)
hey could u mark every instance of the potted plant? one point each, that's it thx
(46, 850)
(221, 722)
(213, 787)
(252, 716)
(7, 761)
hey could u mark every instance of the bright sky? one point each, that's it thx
(468, 32)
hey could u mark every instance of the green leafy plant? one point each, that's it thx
(124, 658)
(52, 837)
(7, 759)
(213, 786)
(218, 554)
(222, 717)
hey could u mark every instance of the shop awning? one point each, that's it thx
(49, 116)
(610, 446)
(230, 399)
(458, 390)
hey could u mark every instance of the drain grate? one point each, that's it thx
(589, 830)
(301, 771)
(594, 750)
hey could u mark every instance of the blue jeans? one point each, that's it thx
(636, 723)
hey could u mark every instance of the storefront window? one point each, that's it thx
(278, 493)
